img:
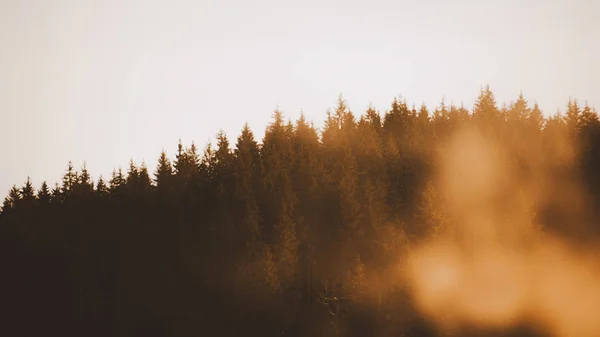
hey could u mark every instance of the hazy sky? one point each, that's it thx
(106, 81)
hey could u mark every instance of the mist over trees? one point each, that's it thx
(298, 234)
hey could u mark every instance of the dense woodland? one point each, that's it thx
(299, 234)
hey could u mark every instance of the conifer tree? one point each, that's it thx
(397, 121)
(101, 188)
(208, 162)
(12, 200)
(519, 111)
(69, 180)
(307, 180)
(185, 165)
(84, 185)
(373, 117)
(223, 159)
(163, 173)
(485, 110)
(369, 148)
(573, 116)
(280, 197)
(43, 194)
(536, 118)
(132, 173)
(222, 193)
(424, 132)
(193, 157)
(180, 159)
(246, 175)
(440, 123)
(589, 117)
(463, 113)
(57, 196)
(117, 183)
(28, 192)
(138, 180)
(423, 116)
(305, 172)
(144, 180)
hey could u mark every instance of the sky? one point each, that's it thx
(105, 81)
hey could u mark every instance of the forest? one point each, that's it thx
(300, 233)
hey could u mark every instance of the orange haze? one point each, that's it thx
(493, 266)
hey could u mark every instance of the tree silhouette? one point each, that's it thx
(297, 234)
(43, 194)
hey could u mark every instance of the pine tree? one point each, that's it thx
(280, 199)
(193, 157)
(369, 148)
(224, 192)
(536, 118)
(180, 160)
(398, 120)
(28, 192)
(422, 125)
(307, 181)
(589, 117)
(57, 196)
(515, 129)
(132, 174)
(194, 163)
(590, 149)
(519, 111)
(84, 185)
(223, 160)
(137, 180)
(246, 175)
(144, 180)
(208, 162)
(330, 132)
(305, 172)
(573, 116)
(373, 117)
(12, 200)
(275, 153)
(556, 143)
(463, 113)
(163, 174)
(69, 180)
(117, 183)
(223, 153)
(101, 188)
(423, 116)
(485, 111)
(440, 123)
(185, 165)
(43, 194)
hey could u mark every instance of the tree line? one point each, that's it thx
(299, 234)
